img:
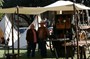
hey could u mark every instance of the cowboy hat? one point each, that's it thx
(42, 22)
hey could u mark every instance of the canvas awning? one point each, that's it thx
(57, 6)
(8, 10)
(32, 10)
(24, 10)
(65, 6)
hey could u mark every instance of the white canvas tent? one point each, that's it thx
(68, 6)
(6, 27)
(65, 6)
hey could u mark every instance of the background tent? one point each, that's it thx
(23, 43)
(6, 27)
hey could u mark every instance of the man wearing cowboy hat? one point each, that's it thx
(42, 36)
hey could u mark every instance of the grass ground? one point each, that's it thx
(23, 54)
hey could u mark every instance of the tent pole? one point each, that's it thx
(38, 20)
(65, 39)
(18, 30)
(12, 36)
(76, 24)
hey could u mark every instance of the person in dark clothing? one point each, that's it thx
(42, 36)
(31, 38)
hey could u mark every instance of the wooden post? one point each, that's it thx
(12, 35)
(76, 24)
(18, 31)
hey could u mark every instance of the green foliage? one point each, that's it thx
(1, 15)
(1, 2)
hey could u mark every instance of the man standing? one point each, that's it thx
(31, 38)
(42, 36)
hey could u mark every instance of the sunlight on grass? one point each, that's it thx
(1, 53)
(37, 56)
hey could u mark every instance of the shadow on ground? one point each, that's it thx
(37, 55)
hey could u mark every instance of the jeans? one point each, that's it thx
(42, 47)
(31, 49)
